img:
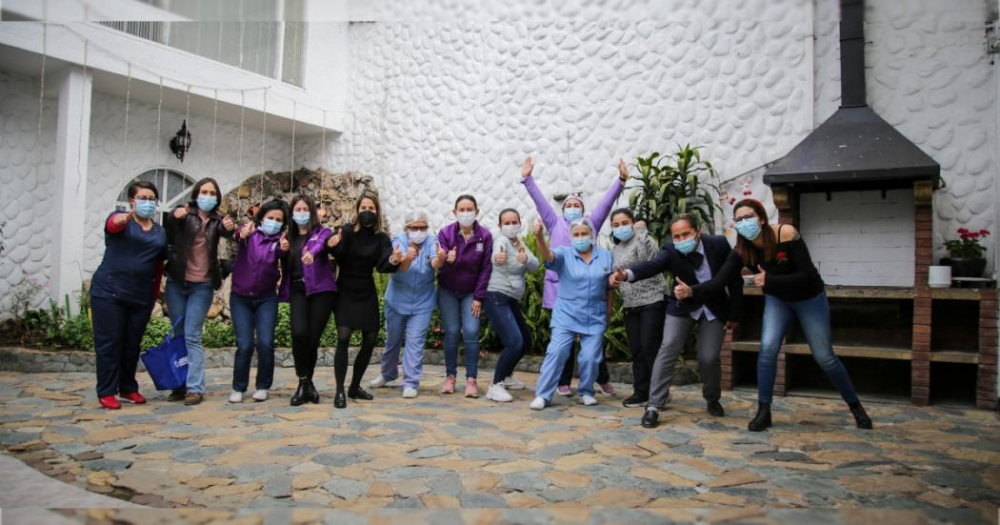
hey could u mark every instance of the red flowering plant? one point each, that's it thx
(967, 246)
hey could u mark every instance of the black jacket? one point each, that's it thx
(725, 304)
(180, 237)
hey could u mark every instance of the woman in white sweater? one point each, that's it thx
(511, 260)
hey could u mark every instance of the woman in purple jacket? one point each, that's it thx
(253, 302)
(465, 247)
(308, 284)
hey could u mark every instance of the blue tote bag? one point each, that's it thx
(167, 361)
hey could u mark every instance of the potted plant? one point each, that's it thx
(966, 253)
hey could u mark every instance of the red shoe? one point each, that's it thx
(110, 403)
(133, 397)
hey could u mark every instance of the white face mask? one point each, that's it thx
(466, 218)
(511, 230)
(418, 237)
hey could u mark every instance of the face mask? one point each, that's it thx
(572, 214)
(582, 244)
(270, 226)
(301, 218)
(367, 218)
(687, 245)
(748, 228)
(418, 237)
(466, 218)
(145, 209)
(207, 203)
(623, 233)
(510, 230)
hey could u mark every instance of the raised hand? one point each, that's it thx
(228, 224)
(522, 255)
(397, 256)
(501, 258)
(622, 170)
(122, 218)
(452, 255)
(682, 290)
(527, 167)
(539, 228)
(760, 279)
(307, 257)
(441, 255)
(247, 230)
(411, 253)
(182, 211)
(334, 239)
(283, 243)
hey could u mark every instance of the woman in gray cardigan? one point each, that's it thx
(643, 300)
(511, 260)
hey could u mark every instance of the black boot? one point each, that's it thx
(763, 418)
(301, 393)
(860, 416)
(651, 418)
(715, 408)
(312, 395)
(356, 392)
(340, 401)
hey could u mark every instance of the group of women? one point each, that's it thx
(285, 254)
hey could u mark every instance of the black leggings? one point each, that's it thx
(340, 359)
(309, 315)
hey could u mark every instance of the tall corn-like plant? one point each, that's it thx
(671, 184)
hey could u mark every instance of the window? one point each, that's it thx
(174, 187)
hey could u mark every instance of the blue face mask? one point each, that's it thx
(572, 214)
(301, 218)
(207, 203)
(270, 226)
(687, 245)
(748, 228)
(582, 244)
(623, 233)
(145, 209)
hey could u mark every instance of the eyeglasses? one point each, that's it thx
(145, 199)
(745, 217)
(417, 228)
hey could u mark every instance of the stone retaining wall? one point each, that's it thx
(14, 359)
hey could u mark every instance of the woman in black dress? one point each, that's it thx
(363, 247)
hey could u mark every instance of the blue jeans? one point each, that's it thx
(508, 321)
(814, 318)
(413, 329)
(588, 359)
(253, 314)
(456, 316)
(192, 300)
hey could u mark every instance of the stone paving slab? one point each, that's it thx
(448, 458)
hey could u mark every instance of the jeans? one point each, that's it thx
(644, 328)
(675, 333)
(456, 316)
(412, 329)
(589, 358)
(814, 318)
(309, 317)
(508, 321)
(260, 315)
(192, 300)
(118, 330)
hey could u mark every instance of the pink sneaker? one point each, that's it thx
(471, 388)
(608, 389)
(449, 385)
(564, 391)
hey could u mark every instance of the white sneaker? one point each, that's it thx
(587, 400)
(538, 404)
(408, 392)
(260, 395)
(236, 397)
(378, 382)
(513, 384)
(498, 393)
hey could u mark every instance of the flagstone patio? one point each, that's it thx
(449, 452)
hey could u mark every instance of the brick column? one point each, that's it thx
(726, 357)
(986, 383)
(920, 366)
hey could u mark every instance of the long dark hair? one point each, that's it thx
(293, 233)
(372, 196)
(275, 204)
(197, 189)
(746, 248)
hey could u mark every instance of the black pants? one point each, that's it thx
(567, 373)
(340, 359)
(118, 331)
(309, 315)
(644, 329)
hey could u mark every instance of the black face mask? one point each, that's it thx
(367, 218)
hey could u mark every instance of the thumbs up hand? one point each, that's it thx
(411, 253)
(452, 255)
(501, 257)
(283, 243)
(682, 290)
(522, 255)
(247, 230)
(396, 257)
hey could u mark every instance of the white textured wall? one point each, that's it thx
(26, 193)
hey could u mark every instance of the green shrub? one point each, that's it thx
(156, 332)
